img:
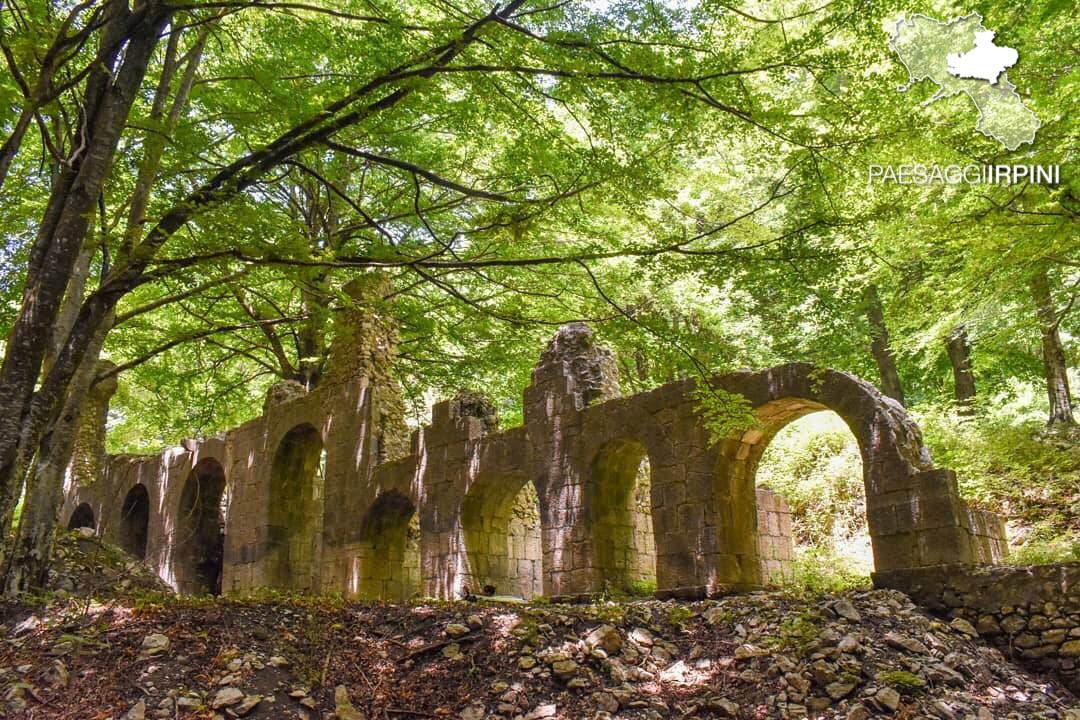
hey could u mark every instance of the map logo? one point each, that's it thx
(960, 57)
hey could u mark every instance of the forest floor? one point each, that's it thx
(137, 653)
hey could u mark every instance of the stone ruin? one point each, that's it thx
(327, 491)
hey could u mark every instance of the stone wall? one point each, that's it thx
(643, 562)
(595, 492)
(1030, 613)
(776, 544)
(988, 534)
(524, 572)
(295, 484)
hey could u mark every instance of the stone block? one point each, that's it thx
(691, 518)
(894, 551)
(940, 512)
(943, 545)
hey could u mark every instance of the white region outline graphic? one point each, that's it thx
(970, 64)
(1002, 78)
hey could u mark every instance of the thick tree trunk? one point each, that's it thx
(1055, 367)
(87, 402)
(108, 98)
(959, 350)
(27, 565)
(69, 309)
(879, 345)
(64, 321)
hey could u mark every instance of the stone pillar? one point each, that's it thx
(366, 417)
(88, 454)
(444, 450)
(572, 373)
(365, 343)
(919, 520)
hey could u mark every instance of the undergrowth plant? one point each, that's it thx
(1008, 462)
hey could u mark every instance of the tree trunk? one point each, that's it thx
(879, 345)
(87, 403)
(69, 309)
(28, 564)
(109, 95)
(64, 322)
(959, 350)
(1055, 367)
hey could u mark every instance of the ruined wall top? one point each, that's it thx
(908, 437)
(365, 336)
(589, 369)
(468, 404)
(282, 392)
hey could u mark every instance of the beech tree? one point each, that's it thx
(879, 345)
(1054, 363)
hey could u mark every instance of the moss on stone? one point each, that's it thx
(902, 680)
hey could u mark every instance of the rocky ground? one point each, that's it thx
(766, 655)
(868, 654)
(87, 566)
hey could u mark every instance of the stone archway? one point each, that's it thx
(200, 530)
(82, 517)
(134, 521)
(295, 518)
(389, 549)
(618, 500)
(811, 498)
(500, 518)
(914, 511)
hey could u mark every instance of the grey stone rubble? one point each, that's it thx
(760, 655)
(799, 659)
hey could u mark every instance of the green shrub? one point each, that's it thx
(1062, 548)
(1006, 461)
(817, 571)
(642, 588)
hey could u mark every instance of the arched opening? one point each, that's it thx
(501, 521)
(811, 500)
(295, 517)
(83, 517)
(200, 530)
(390, 549)
(619, 501)
(915, 514)
(134, 519)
